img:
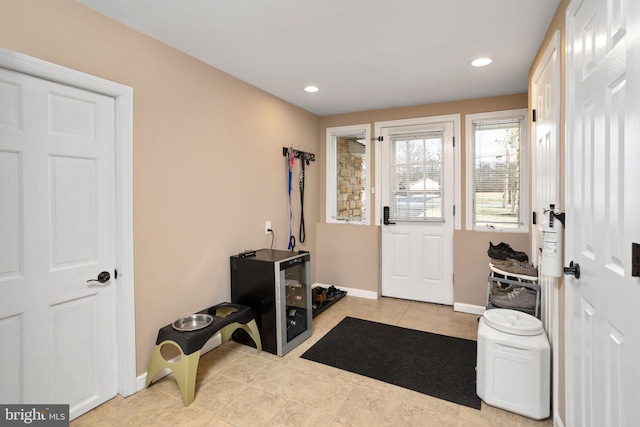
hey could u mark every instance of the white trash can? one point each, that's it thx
(514, 363)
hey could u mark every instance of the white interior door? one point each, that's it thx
(546, 182)
(546, 151)
(603, 154)
(417, 188)
(57, 205)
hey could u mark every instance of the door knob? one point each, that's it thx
(573, 269)
(102, 277)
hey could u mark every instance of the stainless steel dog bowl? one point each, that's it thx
(192, 322)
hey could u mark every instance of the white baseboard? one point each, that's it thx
(214, 342)
(360, 293)
(468, 308)
(557, 421)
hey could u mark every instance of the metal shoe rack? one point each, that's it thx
(497, 277)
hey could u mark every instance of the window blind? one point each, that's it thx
(498, 174)
(417, 177)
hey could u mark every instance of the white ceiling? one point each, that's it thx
(362, 54)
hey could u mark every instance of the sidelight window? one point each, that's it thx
(348, 174)
(497, 175)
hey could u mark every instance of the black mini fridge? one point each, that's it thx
(276, 284)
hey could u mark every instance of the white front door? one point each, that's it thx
(603, 201)
(57, 230)
(417, 192)
(546, 183)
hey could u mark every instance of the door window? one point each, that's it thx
(417, 178)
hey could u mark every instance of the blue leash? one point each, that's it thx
(290, 163)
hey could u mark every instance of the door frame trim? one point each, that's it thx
(123, 97)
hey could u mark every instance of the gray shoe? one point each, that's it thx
(501, 288)
(513, 297)
(511, 265)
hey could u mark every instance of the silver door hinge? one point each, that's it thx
(454, 141)
(454, 210)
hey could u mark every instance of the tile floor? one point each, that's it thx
(238, 387)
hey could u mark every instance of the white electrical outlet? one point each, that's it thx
(267, 227)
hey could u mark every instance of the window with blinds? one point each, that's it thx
(417, 177)
(499, 173)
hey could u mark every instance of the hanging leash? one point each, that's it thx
(302, 234)
(290, 164)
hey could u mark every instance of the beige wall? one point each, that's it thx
(558, 23)
(362, 243)
(208, 166)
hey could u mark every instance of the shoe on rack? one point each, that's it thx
(502, 251)
(511, 265)
(503, 245)
(334, 293)
(517, 297)
(319, 296)
(499, 288)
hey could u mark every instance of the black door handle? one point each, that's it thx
(385, 216)
(102, 277)
(573, 269)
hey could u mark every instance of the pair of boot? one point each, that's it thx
(502, 251)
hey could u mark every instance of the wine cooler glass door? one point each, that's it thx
(296, 309)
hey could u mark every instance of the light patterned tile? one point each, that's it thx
(216, 359)
(140, 409)
(385, 316)
(254, 408)
(89, 420)
(284, 380)
(325, 393)
(183, 416)
(451, 330)
(368, 407)
(341, 422)
(216, 422)
(217, 392)
(245, 368)
(413, 415)
(297, 414)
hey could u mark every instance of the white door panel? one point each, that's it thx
(57, 195)
(417, 249)
(546, 186)
(603, 341)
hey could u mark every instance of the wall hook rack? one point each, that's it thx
(308, 157)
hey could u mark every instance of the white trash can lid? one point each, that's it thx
(513, 322)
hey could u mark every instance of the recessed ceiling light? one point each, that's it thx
(481, 62)
(311, 89)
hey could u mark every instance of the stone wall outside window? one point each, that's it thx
(350, 180)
